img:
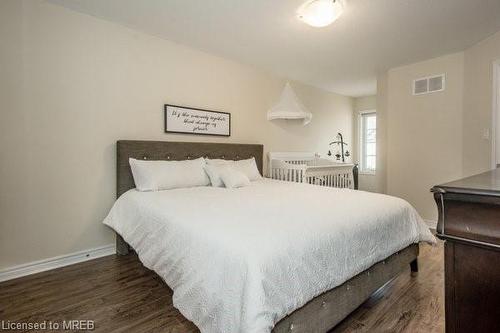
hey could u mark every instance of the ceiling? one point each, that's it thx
(345, 57)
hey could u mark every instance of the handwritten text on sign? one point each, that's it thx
(186, 120)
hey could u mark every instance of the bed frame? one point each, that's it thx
(321, 313)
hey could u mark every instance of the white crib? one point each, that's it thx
(306, 167)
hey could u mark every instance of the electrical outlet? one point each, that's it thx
(486, 134)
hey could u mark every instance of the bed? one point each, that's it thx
(256, 259)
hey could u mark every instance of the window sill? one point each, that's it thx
(367, 173)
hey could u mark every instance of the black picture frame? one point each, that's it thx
(165, 109)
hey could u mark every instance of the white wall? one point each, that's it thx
(424, 132)
(382, 109)
(435, 138)
(478, 104)
(71, 85)
(367, 182)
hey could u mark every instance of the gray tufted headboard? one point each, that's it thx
(170, 150)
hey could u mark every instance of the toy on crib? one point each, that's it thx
(341, 143)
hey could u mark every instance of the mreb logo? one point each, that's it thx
(75, 325)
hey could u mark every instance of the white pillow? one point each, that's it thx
(165, 175)
(233, 178)
(213, 172)
(248, 166)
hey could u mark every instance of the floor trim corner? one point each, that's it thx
(56, 262)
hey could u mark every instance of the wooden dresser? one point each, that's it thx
(469, 223)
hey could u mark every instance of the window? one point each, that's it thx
(368, 142)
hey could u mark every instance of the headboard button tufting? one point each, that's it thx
(173, 151)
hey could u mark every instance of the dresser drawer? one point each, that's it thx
(473, 217)
(472, 296)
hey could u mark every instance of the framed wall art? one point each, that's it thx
(187, 120)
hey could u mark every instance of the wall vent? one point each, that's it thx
(427, 85)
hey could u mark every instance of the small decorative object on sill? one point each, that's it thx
(341, 143)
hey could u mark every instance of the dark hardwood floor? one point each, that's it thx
(120, 295)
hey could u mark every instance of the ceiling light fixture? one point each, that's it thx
(320, 13)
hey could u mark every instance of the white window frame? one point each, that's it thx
(361, 143)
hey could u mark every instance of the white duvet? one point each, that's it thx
(239, 260)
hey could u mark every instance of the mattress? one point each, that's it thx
(239, 260)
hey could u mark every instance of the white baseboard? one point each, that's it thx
(56, 262)
(431, 224)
